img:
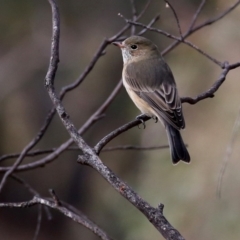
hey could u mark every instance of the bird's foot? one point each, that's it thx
(155, 119)
(140, 118)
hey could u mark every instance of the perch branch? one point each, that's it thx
(155, 215)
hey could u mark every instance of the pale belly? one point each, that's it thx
(143, 106)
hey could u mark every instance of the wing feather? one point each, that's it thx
(153, 81)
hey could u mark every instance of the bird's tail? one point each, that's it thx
(177, 146)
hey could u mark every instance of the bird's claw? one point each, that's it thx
(155, 119)
(142, 121)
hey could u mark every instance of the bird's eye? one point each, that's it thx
(133, 46)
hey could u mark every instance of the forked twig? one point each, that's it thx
(176, 17)
(195, 16)
(173, 37)
(89, 157)
(83, 220)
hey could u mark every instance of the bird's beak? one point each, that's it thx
(118, 44)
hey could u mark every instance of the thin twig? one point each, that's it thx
(48, 159)
(25, 184)
(215, 19)
(175, 38)
(64, 210)
(70, 87)
(228, 154)
(210, 92)
(151, 23)
(89, 157)
(134, 16)
(38, 152)
(144, 9)
(198, 27)
(39, 221)
(34, 193)
(99, 146)
(195, 16)
(207, 94)
(24, 152)
(175, 16)
(135, 148)
(55, 197)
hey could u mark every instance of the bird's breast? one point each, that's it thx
(142, 105)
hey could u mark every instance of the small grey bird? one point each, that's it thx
(151, 86)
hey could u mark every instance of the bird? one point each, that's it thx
(150, 84)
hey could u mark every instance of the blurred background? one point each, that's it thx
(187, 191)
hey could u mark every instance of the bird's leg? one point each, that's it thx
(140, 118)
(155, 118)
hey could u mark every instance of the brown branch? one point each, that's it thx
(220, 16)
(39, 222)
(88, 69)
(76, 83)
(24, 152)
(83, 220)
(135, 148)
(38, 152)
(51, 157)
(151, 23)
(134, 16)
(155, 215)
(195, 16)
(207, 94)
(176, 17)
(34, 193)
(25, 184)
(182, 40)
(117, 132)
(144, 9)
(210, 92)
(192, 29)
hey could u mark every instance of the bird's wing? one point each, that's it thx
(153, 81)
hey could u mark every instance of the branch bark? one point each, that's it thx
(89, 157)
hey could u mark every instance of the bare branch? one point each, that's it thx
(55, 197)
(82, 219)
(149, 25)
(210, 92)
(98, 54)
(207, 94)
(194, 29)
(132, 147)
(51, 157)
(25, 184)
(175, 38)
(175, 16)
(116, 132)
(109, 149)
(144, 9)
(25, 151)
(134, 16)
(64, 210)
(220, 16)
(90, 158)
(195, 16)
(39, 221)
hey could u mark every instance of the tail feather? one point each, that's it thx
(177, 146)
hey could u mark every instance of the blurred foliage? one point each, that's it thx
(187, 191)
